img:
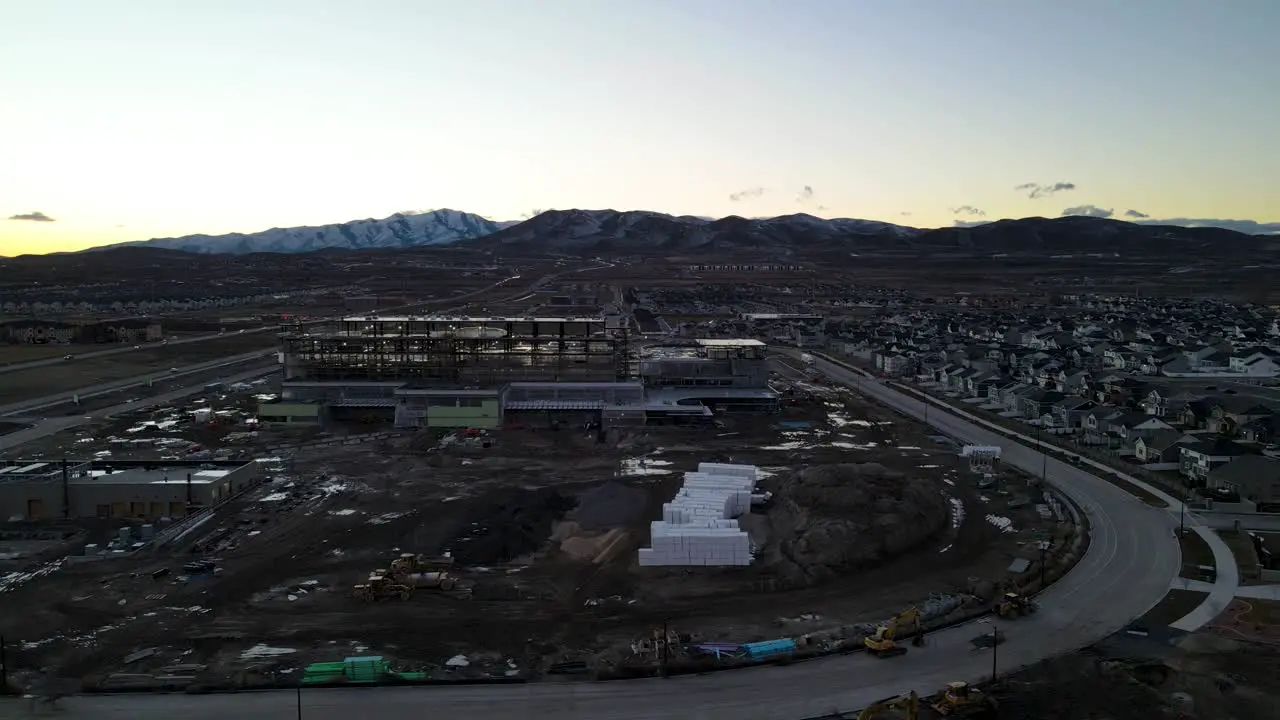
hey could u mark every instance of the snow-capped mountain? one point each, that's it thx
(433, 227)
(644, 232)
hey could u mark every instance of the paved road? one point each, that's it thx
(30, 406)
(50, 426)
(1265, 522)
(31, 364)
(1128, 568)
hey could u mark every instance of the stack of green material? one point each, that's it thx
(368, 669)
(323, 672)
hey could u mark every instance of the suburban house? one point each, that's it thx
(1129, 426)
(1252, 477)
(1227, 414)
(1162, 447)
(1203, 457)
(1261, 430)
(1070, 411)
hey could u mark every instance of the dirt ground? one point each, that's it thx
(22, 385)
(543, 526)
(1200, 680)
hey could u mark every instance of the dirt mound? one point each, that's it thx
(504, 527)
(832, 518)
(608, 506)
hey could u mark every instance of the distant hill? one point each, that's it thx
(402, 230)
(643, 233)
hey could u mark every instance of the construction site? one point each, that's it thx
(520, 550)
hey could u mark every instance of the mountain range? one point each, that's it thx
(612, 232)
(402, 230)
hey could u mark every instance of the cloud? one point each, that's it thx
(905, 213)
(969, 210)
(747, 194)
(1249, 227)
(1089, 211)
(1035, 191)
(1135, 214)
(32, 217)
(532, 213)
(805, 194)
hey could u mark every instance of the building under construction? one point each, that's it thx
(480, 372)
(444, 370)
(457, 352)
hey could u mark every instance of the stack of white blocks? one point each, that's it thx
(698, 527)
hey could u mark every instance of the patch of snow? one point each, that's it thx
(1003, 523)
(261, 651)
(644, 466)
(957, 512)
(792, 445)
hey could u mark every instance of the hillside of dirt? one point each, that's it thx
(832, 518)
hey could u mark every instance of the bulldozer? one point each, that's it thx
(883, 643)
(1015, 604)
(380, 587)
(909, 703)
(958, 699)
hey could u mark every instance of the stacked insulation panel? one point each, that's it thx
(699, 525)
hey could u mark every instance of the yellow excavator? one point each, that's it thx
(961, 700)
(1015, 604)
(883, 643)
(909, 703)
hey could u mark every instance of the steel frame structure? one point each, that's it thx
(456, 351)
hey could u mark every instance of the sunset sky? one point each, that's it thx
(133, 119)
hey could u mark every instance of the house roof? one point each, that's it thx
(1162, 440)
(1257, 476)
(1220, 447)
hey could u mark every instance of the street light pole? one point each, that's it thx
(299, 702)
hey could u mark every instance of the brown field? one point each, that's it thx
(21, 385)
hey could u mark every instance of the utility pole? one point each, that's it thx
(4, 668)
(1044, 545)
(1182, 514)
(666, 644)
(995, 649)
(299, 701)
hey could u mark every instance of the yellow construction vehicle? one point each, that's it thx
(960, 700)
(883, 643)
(411, 563)
(380, 587)
(909, 703)
(1015, 604)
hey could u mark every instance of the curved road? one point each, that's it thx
(1128, 568)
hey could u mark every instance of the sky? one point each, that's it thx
(131, 119)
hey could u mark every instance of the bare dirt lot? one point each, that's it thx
(1200, 678)
(22, 385)
(543, 527)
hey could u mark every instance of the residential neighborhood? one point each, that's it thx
(1186, 392)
